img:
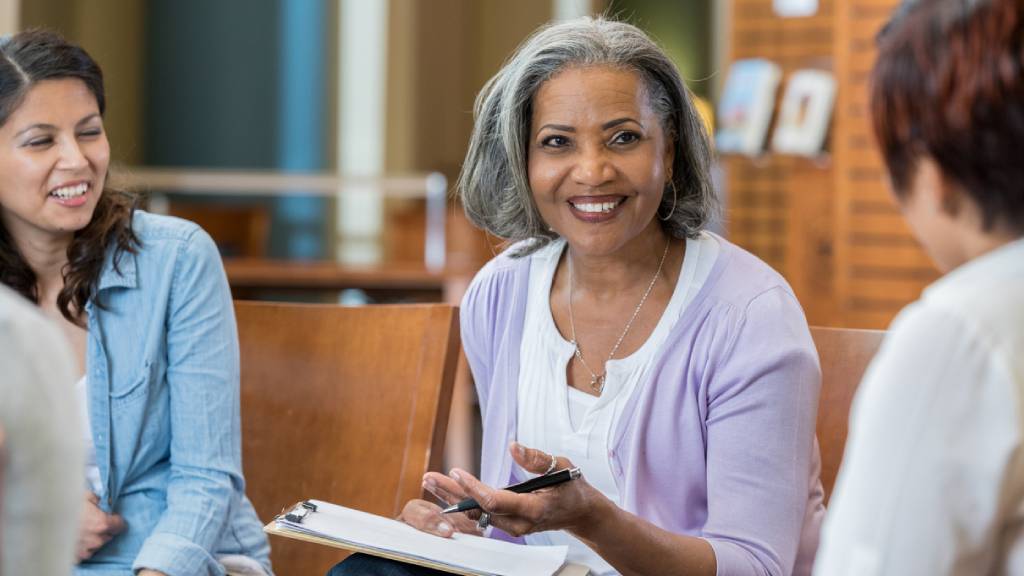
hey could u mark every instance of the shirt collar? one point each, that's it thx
(124, 275)
(1007, 261)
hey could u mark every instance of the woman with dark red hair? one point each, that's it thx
(933, 476)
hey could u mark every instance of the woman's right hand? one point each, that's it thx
(427, 517)
(97, 527)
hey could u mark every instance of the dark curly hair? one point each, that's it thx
(949, 84)
(27, 58)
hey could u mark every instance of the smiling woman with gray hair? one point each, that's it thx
(617, 335)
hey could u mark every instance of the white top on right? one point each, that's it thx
(932, 480)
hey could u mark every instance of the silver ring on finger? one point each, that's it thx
(484, 521)
(552, 466)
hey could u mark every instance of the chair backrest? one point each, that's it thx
(240, 230)
(343, 404)
(845, 355)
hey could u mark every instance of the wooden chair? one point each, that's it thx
(845, 355)
(347, 405)
(240, 230)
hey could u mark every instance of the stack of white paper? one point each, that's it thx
(463, 552)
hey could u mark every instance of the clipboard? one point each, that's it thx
(297, 522)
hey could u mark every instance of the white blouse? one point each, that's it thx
(932, 480)
(561, 420)
(92, 470)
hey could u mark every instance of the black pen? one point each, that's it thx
(537, 483)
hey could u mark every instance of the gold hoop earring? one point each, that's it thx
(675, 198)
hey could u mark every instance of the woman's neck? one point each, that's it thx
(981, 244)
(47, 257)
(608, 275)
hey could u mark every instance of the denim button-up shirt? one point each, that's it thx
(163, 372)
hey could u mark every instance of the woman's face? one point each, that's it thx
(53, 161)
(598, 158)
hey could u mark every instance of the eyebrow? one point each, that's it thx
(52, 127)
(605, 126)
(561, 127)
(618, 121)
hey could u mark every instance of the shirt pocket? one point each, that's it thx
(122, 393)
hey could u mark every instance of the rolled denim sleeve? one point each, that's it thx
(205, 450)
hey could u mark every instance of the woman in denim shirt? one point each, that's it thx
(145, 306)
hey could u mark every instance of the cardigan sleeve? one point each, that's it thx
(762, 406)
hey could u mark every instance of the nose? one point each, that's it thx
(71, 155)
(593, 167)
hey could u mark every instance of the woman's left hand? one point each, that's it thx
(148, 572)
(564, 506)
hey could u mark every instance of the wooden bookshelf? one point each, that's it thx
(827, 224)
(781, 207)
(880, 267)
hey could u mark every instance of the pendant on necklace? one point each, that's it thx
(597, 383)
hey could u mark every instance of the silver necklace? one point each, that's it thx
(597, 380)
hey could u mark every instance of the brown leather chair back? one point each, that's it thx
(845, 355)
(347, 405)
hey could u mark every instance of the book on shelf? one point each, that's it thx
(745, 110)
(805, 113)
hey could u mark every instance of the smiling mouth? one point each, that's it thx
(596, 207)
(69, 192)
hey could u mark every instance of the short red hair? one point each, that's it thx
(949, 84)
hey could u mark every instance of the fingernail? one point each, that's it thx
(444, 528)
(429, 484)
(521, 450)
(454, 475)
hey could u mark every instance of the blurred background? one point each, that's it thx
(318, 141)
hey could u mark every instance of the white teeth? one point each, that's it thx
(68, 192)
(595, 208)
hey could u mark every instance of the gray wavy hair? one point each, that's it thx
(494, 185)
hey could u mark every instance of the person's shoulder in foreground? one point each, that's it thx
(932, 476)
(43, 480)
(932, 479)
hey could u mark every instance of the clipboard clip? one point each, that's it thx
(299, 511)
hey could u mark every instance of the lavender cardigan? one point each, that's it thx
(719, 443)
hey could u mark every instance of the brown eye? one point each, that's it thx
(555, 142)
(626, 138)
